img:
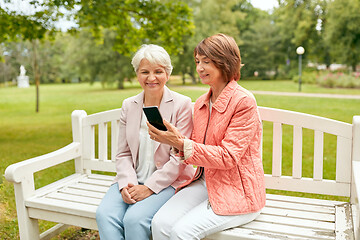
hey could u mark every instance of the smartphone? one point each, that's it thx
(154, 117)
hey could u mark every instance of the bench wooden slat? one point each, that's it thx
(308, 201)
(277, 149)
(297, 152)
(103, 141)
(324, 225)
(106, 166)
(307, 185)
(299, 206)
(69, 199)
(106, 116)
(80, 192)
(249, 234)
(114, 138)
(96, 182)
(343, 159)
(101, 177)
(290, 231)
(298, 214)
(318, 155)
(56, 205)
(89, 187)
(88, 150)
(69, 180)
(70, 218)
(344, 228)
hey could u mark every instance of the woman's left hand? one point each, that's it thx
(139, 192)
(171, 137)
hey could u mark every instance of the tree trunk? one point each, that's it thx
(36, 75)
(193, 79)
(121, 83)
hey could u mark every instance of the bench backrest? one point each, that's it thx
(98, 134)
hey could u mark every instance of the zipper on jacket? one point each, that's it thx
(209, 204)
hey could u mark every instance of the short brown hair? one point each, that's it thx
(224, 52)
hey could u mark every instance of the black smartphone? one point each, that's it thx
(154, 117)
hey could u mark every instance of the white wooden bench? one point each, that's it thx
(74, 199)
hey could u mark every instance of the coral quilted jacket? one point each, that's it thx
(231, 155)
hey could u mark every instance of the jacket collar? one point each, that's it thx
(223, 100)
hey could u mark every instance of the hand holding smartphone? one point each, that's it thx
(154, 117)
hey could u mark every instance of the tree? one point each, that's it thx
(15, 25)
(342, 31)
(210, 17)
(297, 21)
(100, 61)
(133, 23)
(261, 49)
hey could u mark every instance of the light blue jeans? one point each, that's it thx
(119, 220)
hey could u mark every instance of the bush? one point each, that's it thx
(339, 79)
(307, 77)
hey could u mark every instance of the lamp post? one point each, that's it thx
(300, 51)
(5, 54)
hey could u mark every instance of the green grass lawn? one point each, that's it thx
(281, 86)
(25, 134)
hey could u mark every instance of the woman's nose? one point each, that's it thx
(199, 68)
(152, 76)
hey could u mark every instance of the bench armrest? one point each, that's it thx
(16, 172)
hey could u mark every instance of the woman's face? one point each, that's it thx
(208, 72)
(152, 77)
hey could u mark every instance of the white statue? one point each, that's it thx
(23, 80)
(22, 70)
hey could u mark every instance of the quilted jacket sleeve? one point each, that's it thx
(228, 144)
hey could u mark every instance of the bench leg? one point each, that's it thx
(28, 227)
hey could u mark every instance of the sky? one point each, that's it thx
(264, 4)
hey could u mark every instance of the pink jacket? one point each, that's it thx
(231, 156)
(176, 109)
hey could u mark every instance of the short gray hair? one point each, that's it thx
(155, 55)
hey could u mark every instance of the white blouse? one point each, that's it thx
(145, 163)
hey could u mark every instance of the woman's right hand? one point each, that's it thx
(126, 195)
(172, 136)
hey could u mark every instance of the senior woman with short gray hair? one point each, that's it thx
(148, 172)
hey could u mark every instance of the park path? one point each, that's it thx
(291, 94)
(299, 94)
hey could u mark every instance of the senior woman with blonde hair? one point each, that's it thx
(147, 171)
(228, 188)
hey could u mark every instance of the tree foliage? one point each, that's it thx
(210, 17)
(124, 25)
(109, 31)
(14, 26)
(342, 31)
(134, 21)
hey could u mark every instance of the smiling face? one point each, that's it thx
(208, 72)
(152, 77)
